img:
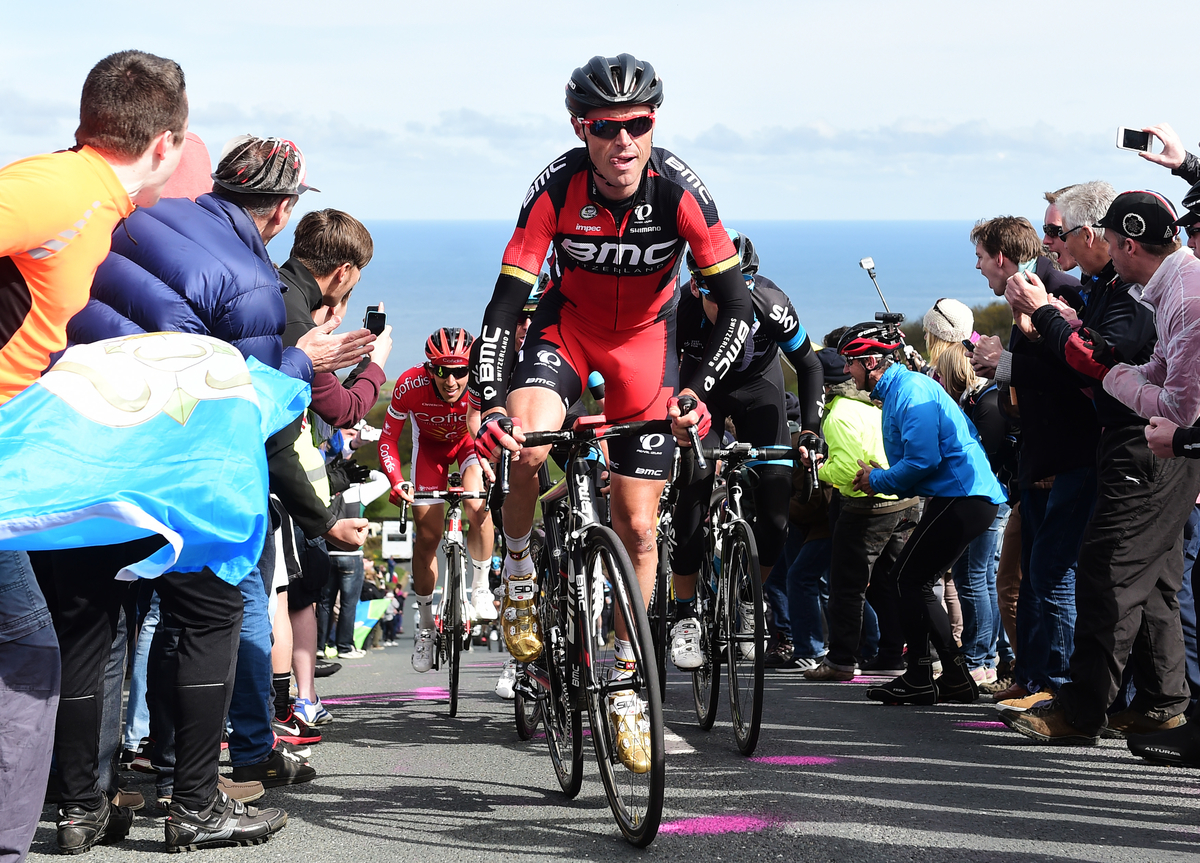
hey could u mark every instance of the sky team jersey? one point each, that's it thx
(436, 424)
(618, 273)
(57, 214)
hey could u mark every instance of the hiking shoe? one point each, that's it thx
(1130, 721)
(779, 656)
(508, 679)
(522, 633)
(1047, 724)
(685, 644)
(1177, 747)
(324, 668)
(483, 602)
(312, 713)
(352, 654)
(79, 829)
(799, 665)
(422, 658)
(295, 730)
(282, 768)
(228, 823)
(1020, 705)
(825, 671)
(631, 730)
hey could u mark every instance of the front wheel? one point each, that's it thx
(746, 647)
(706, 680)
(453, 626)
(636, 798)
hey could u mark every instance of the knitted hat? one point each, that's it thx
(833, 365)
(949, 320)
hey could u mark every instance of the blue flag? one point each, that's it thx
(159, 433)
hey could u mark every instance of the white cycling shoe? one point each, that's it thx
(746, 627)
(422, 658)
(685, 645)
(484, 602)
(508, 679)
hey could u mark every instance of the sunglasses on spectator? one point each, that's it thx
(1052, 231)
(1065, 234)
(443, 372)
(607, 128)
(945, 317)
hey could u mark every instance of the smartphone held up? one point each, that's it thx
(1133, 139)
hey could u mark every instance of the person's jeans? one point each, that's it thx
(974, 576)
(30, 670)
(808, 592)
(252, 708)
(1052, 525)
(775, 593)
(137, 715)
(1003, 651)
(1187, 601)
(346, 577)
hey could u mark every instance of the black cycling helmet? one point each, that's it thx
(607, 82)
(744, 248)
(870, 338)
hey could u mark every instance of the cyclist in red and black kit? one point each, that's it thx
(434, 397)
(618, 213)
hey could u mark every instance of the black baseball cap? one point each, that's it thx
(1147, 217)
(1192, 202)
(833, 365)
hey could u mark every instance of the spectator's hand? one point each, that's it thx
(382, 345)
(1173, 152)
(1160, 434)
(862, 480)
(1024, 323)
(1064, 308)
(986, 356)
(347, 534)
(1025, 293)
(329, 352)
(402, 493)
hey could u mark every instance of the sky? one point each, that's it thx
(787, 110)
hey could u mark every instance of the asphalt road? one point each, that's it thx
(835, 778)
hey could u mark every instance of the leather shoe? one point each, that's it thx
(1047, 724)
(1130, 721)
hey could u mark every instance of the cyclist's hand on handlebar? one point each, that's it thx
(347, 534)
(497, 432)
(402, 493)
(811, 448)
(681, 422)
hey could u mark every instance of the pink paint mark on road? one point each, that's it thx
(795, 760)
(980, 725)
(710, 825)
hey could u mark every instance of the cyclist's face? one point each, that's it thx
(450, 388)
(619, 161)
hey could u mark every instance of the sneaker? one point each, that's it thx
(746, 627)
(508, 679)
(799, 664)
(685, 644)
(295, 730)
(522, 634)
(983, 675)
(631, 730)
(422, 658)
(125, 759)
(484, 604)
(353, 654)
(1130, 721)
(826, 671)
(229, 822)
(326, 669)
(282, 768)
(331, 652)
(301, 752)
(1178, 746)
(80, 829)
(141, 759)
(881, 666)
(1020, 705)
(312, 713)
(779, 656)
(1047, 724)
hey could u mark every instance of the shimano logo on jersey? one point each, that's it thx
(643, 211)
(589, 229)
(688, 176)
(543, 178)
(588, 212)
(646, 230)
(627, 258)
(489, 353)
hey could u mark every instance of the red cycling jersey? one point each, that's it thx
(440, 435)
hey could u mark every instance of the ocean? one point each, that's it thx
(441, 273)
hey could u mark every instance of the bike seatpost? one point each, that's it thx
(687, 404)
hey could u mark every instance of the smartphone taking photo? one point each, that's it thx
(375, 320)
(1133, 139)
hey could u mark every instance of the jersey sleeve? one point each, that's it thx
(494, 352)
(778, 317)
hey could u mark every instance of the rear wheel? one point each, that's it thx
(747, 645)
(527, 712)
(635, 798)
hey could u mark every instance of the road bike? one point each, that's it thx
(452, 619)
(577, 667)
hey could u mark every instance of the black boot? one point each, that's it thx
(956, 683)
(226, 823)
(79, 828)
(914, 686)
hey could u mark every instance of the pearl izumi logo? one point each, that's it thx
(1133, 225)
(588, 211)
(643, 211)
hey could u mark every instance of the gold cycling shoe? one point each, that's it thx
(631, 730)
(522, 632)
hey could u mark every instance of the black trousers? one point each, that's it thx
(192, 663)
(1130, 569)
(85, 604)
(866, 546)
(945, 530)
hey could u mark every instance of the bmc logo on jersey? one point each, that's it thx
(623, 254)
(688, 178)
(543, 178)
